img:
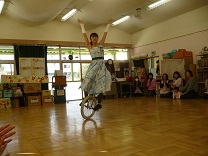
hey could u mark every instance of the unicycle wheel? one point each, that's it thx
(87, 106)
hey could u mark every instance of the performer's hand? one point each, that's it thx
(80, 21)
(110, 21)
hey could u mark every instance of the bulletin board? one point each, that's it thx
(31, 66)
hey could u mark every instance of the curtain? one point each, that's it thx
(171, 65)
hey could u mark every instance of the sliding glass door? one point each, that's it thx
(73, 78)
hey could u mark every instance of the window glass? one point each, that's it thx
(6, 52)
(76, 72)
(67, 70)
(85, 54)
(109, 54)
(66, 51)
(51, 69)
(6, 69)
(85, 66)
(122, 54)
(75, 93)
(53, 53)
(72, 71)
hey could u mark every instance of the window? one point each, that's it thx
(6, 69)
(109, 54)
(58, 59)
(85, 54)
(53, 53)
(51, 69)
(6, 52)
(122, 54)
(6, 60)
(66, 51)
(116, 54)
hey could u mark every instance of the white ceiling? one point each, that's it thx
(97, 12)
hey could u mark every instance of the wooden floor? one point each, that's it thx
(137, 126)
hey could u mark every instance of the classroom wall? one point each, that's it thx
(188, 31)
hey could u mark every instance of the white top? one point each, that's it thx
(178, 82)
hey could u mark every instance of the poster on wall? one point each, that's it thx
(31, 66)
(25, 62)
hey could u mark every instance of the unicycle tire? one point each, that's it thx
(87, 106)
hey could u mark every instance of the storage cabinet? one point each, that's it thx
(59, 95)
(59, 89)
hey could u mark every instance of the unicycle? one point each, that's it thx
(87, 106)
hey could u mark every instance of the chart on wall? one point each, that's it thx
(31, 66)
(172, 65)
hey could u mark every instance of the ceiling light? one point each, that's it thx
(1, 5)
(121, 20)
(157, 4)
(69, 14)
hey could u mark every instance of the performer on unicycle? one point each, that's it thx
(97, 79)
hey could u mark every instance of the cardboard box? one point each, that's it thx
(47, 100)
(24, 79)
(5, 103)
(34, 100)
(15, 103)
(1, 86)
(166, 56)
(32, 88)
(58, 73)
(8, 93)
(59, 80)
(46, 92)
(188, 60)
(182, 53)
(1, 93)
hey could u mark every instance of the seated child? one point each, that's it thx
(176, 93)
(151, 85)
(137, 86)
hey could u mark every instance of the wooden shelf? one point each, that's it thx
(202, 72)
(205, 67)
(201, 82)
(203, 55)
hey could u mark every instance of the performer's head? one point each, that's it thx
(93, 38)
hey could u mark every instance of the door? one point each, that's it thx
(73, 78)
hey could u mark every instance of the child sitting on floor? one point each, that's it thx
(176, 93)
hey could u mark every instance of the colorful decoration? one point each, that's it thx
(140, 72)
(23, 79)
(5, 103)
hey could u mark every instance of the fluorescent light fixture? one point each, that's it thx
(121, 20)
(1, 5)
(157, 4)
(69, 14)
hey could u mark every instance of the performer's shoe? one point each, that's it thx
(97, 107)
